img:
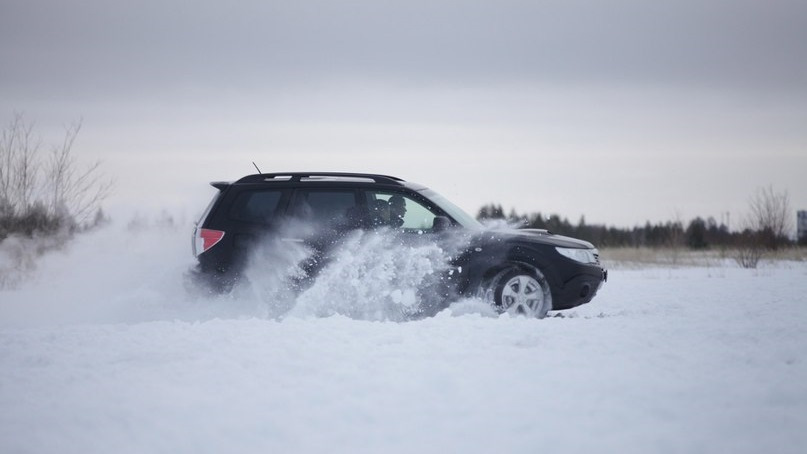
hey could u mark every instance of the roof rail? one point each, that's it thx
(300, 176)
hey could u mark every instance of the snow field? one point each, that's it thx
(104, 351)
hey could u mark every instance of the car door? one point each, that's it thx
(417, 222)
(319, 217)
(252, 215)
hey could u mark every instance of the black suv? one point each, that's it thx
(522, 271)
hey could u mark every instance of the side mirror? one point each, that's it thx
(441, 223)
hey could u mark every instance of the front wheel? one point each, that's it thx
(519, 292)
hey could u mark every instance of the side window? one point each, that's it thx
(256, 206)
(403, 212)
(328, 207)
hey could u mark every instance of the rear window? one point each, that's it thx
(209, 207)
(256, 206)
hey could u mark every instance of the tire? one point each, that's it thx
(519, 292)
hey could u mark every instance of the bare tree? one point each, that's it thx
(770, 216)
(19, 169)
(42, 200)
(766, 226)
(75, 194)
(54, 191)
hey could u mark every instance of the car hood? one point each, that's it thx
(536, 236)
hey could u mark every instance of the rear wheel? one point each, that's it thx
(519, 292)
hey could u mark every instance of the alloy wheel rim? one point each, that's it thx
(523, 295)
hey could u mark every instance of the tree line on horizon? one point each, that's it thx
(697, 234)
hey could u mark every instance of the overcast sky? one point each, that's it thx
(622, 111)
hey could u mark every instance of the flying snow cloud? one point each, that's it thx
(143, 271)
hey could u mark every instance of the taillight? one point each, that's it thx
(206, 239)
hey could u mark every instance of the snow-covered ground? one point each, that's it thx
(103, 350)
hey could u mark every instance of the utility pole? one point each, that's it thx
(725, 219)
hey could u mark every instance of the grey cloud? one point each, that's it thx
(99, 46)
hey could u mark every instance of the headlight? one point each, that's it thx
(579, 255)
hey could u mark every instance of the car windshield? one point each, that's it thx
(463, 218)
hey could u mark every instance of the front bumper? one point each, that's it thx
(579, 289)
